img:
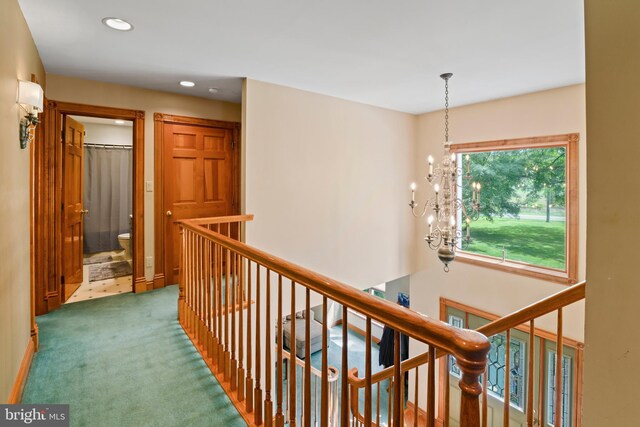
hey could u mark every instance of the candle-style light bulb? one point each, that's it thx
(478, 186)
(436, 188)
(430, 160)
(413, 192)
(413, 186)
(430, 221)
(468, 159)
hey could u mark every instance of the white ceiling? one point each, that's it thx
(379, 52)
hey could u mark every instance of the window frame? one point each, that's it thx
(569, 141)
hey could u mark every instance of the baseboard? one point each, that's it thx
(140, 285)
(158, 281)
(23, 373)
(358, 331)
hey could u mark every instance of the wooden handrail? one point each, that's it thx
(469, 347)
(533, 311)
(217, 220)
(540, 308)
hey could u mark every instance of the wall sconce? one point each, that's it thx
(30, 98)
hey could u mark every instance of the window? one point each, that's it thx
(528, 205)
(456, 322)
(496, 366)
(551, 389)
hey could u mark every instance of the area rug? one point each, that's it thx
(109, 270)
(98, 259)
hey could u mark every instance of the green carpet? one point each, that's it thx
(125, 361)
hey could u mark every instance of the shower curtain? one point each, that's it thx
(107, 196)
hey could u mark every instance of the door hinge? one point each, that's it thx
(62, 279)
(62, 206)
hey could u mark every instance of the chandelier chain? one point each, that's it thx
(446, 110)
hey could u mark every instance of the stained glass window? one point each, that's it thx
(456, 322)
(496, 366)
(551, 389)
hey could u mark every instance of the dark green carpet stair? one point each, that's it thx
(125, 361)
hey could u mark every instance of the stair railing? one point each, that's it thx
(524, 317)
(229, 291)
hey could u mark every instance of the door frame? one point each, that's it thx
(160, 120)
(47, 178)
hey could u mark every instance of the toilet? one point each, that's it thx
(125, 243)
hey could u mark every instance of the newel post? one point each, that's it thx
(470, 386)
(181, 277)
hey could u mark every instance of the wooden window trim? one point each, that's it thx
(569, 141)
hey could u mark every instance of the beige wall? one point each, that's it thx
(18, 60)
(612, 352)
(326, 180)
(68, 89)
(543, 113)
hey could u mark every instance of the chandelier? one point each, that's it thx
(447, 207)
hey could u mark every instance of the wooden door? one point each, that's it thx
(73, 208)
(198, 181)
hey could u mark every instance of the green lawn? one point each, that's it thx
(526, 240)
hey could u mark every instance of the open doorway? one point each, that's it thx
(59, 201)
(107, 207)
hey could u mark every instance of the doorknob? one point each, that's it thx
(169, 214)
(84, 211)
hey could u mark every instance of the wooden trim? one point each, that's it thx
(569, 141)
(160, 120)
(23, 373)
(47, 177)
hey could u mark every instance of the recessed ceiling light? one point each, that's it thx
(117, 24)
(119, 122)
(214, 90)
(187, 83)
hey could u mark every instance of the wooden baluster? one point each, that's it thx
(220, 265)
(485, 416)
(532, 342)
(214, 302)
(233, 312)
(207, 306)
(431, 388)
(292, 360)
(507, 381)
(306, 411)
(324, 390)
(268, 404)
(257, 416)
(378, 403)
(415, 397)
(181, 278)
(249, 386)
(344, 411)
(447, 392)
(190, 281)
(558, 385)
(228, 310)
(199, 323)
(241, 371)
(389, 403)
(367, 374)
(279, 361)
(397, 380)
